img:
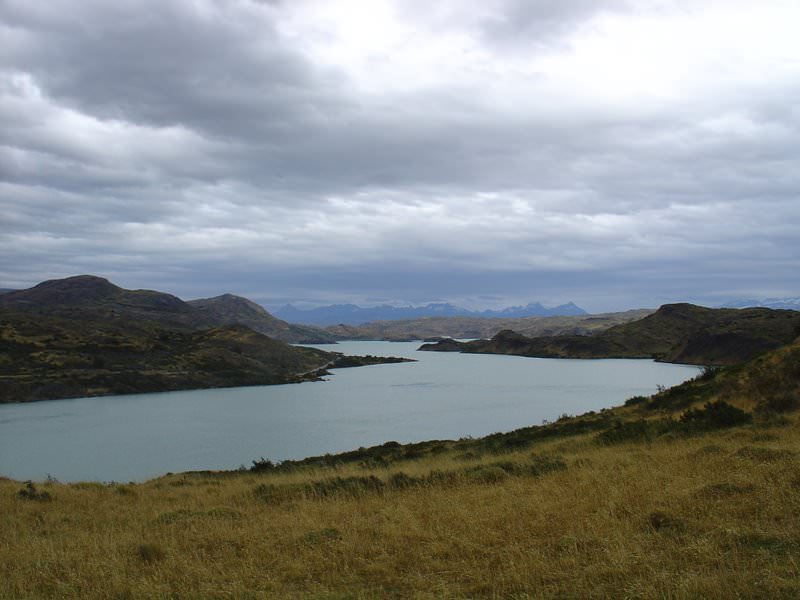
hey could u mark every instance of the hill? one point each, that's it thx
(97, 299)
(472, 327)
(690, 493)
(84, 336)
(680, 333)
(352, 314)
(235, 310)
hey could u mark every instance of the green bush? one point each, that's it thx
(779, 403)
(401, 481)
(627, 431)
(29, 492)
(636, 400)
(354, 485)
(715, 415)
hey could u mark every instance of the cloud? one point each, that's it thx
(614, 153)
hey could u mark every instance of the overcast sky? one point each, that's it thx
(617, 154)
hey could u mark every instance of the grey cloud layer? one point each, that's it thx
(165, 142)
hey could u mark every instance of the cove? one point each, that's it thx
(442, 396)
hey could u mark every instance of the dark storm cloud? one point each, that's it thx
(287, 150)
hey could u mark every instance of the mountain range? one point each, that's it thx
(352, 314)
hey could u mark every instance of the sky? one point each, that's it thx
(617, 154)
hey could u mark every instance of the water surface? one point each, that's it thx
(443, 396)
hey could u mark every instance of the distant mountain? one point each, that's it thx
(97, 299)
(783, 303)
(679, 333)
(351, 314)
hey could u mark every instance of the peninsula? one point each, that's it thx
(677, 333)
(84, 336)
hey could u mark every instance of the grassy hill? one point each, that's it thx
(690, 493)
(680, 333)
(235, 310)
(84, 336)
(51, 358)
(96, 299)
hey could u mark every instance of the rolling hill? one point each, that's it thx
(84, 336)
(97, 299)
(679, 333)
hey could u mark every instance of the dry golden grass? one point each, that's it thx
(708, 516)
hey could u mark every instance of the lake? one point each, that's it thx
(443, 396)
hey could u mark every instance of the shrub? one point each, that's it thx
(626, 431)
(636, 400)
(151, 553)
(354, 485)
(487, 474)
(29, 492)
(402, 480)
(262, 464)
(779, 403)
(708, 373)
(715, 415)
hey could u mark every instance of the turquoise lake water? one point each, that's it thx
(443, 396)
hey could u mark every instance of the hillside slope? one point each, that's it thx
(92, 298)
(45, 357)
(680, 333)
(229, 309)
(84, 336)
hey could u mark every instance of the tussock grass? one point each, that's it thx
(712, 514)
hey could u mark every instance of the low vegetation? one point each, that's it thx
(84, 336)
(679, 333)
(690, 493)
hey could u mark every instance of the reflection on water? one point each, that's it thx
(444, 396)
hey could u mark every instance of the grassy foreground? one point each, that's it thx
(650, 500)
